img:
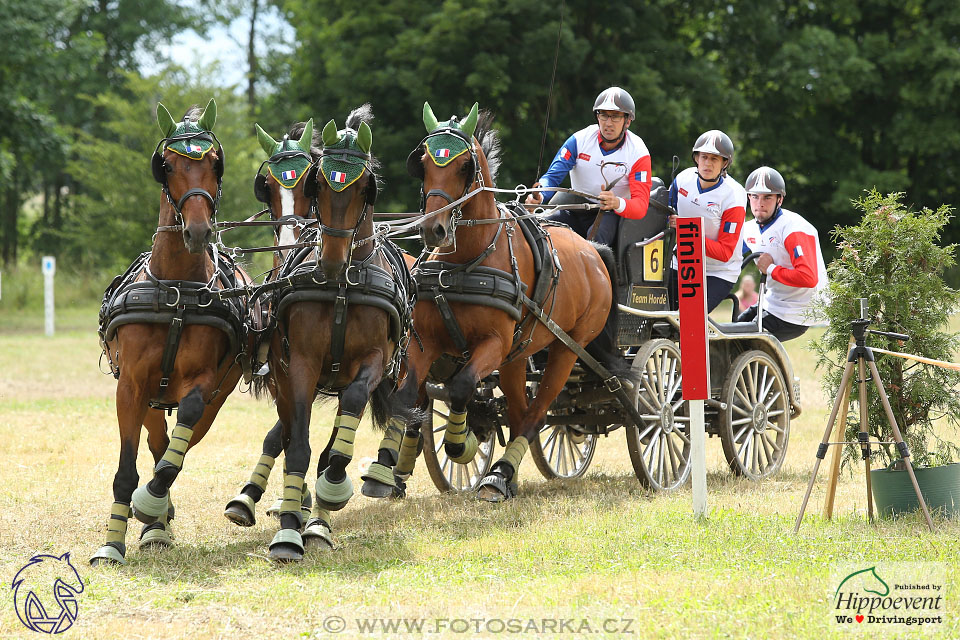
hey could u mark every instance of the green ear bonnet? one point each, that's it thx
(346, 154)
(289, 160)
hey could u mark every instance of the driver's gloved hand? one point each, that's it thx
(749, 315)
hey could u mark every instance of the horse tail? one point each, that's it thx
(262, 384)
(385, 404)
(604, 346)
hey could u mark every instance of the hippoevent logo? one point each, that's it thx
(45, 593)
(894, 596)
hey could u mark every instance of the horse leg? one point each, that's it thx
(131, 408)
(241, 509)
(334, 488)
(317, 532)
(500, 484)
(157, 534)
(459, 443)
(152, 500)
(295, 401)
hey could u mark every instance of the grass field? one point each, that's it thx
(597, 551)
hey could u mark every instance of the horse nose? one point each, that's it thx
(196, 239)
(439, 231)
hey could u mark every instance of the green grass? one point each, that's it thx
(597, 548)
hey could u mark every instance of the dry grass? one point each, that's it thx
(596, 548)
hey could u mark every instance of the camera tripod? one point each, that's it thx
(862, 355)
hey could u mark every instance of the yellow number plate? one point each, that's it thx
(653, 262)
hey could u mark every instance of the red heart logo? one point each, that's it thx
(859, 618)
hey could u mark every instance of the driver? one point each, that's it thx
(791, 258)
(603, 158)
(706, 191)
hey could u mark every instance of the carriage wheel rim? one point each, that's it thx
(564, 456)
(666, 455)
(461, 477)
(758, 406)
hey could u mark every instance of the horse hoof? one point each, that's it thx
(378, 481)
(316, 535)
(470, 448)
(155, 536)
(495, 488)
(287, 546)
(147, 508)
(333, 496)
(240, 511)
(107, 555)
(274, 509)
(400, 490)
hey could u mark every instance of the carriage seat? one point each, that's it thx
(736, 328)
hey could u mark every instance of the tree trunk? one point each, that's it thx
(252, 60)
(10, 203)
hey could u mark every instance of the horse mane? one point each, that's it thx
(489, 139)
(315, 143)
(364, 113)
(193, 113)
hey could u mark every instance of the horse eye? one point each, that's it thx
(168, 167)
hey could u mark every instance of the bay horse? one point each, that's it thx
(486, 327)
(340, 310)
(171, 338)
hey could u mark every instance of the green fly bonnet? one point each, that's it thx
(188, 138)
(346, 155)
(289, 161)
(444, 142)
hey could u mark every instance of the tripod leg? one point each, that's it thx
(836, 453)
(864, 435)
(822, 450)
(901, 446)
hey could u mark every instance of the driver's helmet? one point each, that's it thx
(766, 180)
(615, 99)
(714, 141)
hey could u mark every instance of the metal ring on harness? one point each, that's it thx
(440, 278)
(346, 275)
(177, 301)
(200, 293)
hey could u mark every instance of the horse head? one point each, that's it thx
(283, 188)
(346, 188)
(456, 165)
(188, 163)
(45, 593)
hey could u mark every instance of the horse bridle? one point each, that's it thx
(261, 190)
(371, 196)
(415, 169)
(156, 167)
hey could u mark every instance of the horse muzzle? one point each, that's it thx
(196, 237)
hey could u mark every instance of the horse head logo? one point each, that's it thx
(45, 593)
(865, 580)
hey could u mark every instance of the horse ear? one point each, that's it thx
(429, 120)
(364, 137)
(329, 133)
(469, 125)
(165, 121)
(267, 143)
(307, 138)
(65, 557)
(209, 116)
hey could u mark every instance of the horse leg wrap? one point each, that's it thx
(261, 473)
(117, 527)
(158, 534)
(390, 445)
(346, 427)
(513, 455)
(459, 443)
(177, 448)
(306, 501)
(293, 485)
(410, 448)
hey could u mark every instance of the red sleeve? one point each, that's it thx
(802, 272)
(731, 224)
(639, 181)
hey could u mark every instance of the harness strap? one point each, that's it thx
(453, 327)
(171, 346)
(339, 333)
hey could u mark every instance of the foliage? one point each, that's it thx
(893, 258)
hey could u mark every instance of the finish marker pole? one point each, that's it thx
(49, 268)
(694, 348)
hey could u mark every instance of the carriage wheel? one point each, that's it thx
(755, 426)
(446, 474)
(660, 447)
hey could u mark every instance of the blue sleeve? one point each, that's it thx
(745, 249)
(674, 196)
(563, 163)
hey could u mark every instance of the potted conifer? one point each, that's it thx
(892, 257)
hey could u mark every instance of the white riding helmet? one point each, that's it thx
(766, 180)
(714, 141)
(615, 99)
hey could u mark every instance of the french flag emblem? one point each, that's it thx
(442, 153)
(566, 155)
(730, 227)
(288, 175)
(797, 252)
(338, 176)
(194, 148)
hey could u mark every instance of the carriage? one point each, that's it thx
(754, 394)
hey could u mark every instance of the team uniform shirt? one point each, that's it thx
(723, 209)
(581, 157)
(798, 274)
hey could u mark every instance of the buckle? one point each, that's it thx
(613, 384)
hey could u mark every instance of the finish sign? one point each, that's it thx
(694, 348)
